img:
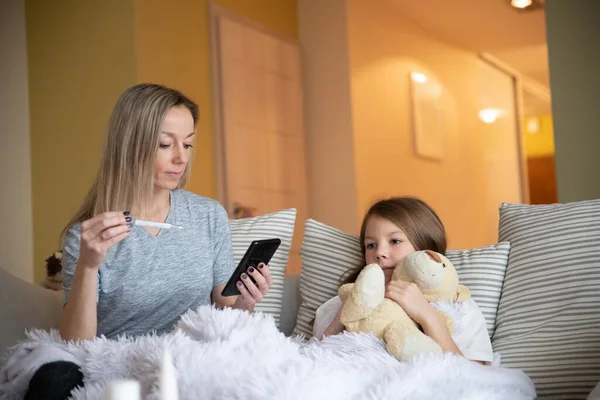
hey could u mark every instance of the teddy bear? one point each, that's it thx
(366, 309)
(53, 278)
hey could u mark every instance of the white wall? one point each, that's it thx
(16, 239)
(479, 167)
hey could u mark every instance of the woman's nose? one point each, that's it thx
(181, 156)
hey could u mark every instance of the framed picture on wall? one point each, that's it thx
(426, 115)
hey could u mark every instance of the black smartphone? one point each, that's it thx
(259, 251)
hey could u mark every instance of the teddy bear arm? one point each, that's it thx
(344, 291)
(463, 293)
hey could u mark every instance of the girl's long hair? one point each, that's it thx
(422, 226)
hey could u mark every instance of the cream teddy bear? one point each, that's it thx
(367, 310)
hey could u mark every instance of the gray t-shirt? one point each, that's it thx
(148, 282)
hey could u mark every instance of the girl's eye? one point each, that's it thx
(396, 241)
(164, 146)
(370, 246)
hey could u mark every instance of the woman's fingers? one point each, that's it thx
(107, 244)
(261, 280)
(105, 220)
(252, 288)
(265, 270)
(248, 299)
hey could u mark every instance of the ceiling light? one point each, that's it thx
(418, 77)
(489, 115)
(521, 3)
(526, 5)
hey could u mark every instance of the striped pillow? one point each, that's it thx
(327, 253)
(548, 319)
(279, 224)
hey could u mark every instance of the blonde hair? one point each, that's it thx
(125, 177)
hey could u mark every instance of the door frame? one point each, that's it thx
(521, 82)
(215, 12)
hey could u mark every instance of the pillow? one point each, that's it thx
(548, 319)
(279, 224)
(327, 253)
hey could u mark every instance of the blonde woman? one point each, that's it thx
(119, 278)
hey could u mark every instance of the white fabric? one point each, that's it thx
(471, 335)
(26, 360)
(230, 354)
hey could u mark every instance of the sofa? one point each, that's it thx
(538, 288)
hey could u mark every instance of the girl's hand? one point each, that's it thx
(99, 234)
(411, 299)
(252, 293)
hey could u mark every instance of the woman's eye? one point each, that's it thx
(164, 146)
(188, 146)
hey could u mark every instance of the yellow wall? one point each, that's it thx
(541, 143)
(82, 55)
(384, 48)
(173, 48)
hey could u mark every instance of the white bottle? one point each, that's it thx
(123, 390)
(168, 378)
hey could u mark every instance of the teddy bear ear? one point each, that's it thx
(435, 256)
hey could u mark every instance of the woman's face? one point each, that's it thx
(175, 148)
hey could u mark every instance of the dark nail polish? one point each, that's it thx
(251, 269)
(126, 213)
(128, 219)
(244, 276)
(239, 283)
(261, 266)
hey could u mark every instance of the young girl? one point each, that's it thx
(391, 229)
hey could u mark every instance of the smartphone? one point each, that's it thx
(259, 251)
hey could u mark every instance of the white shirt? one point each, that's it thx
(471, 335)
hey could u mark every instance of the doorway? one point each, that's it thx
(259, 132)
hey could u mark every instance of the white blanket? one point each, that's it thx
(230, 354)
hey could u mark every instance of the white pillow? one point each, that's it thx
(327, 253)
(549, 315)
(279, 224)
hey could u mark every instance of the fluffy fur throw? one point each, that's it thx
(230, 354)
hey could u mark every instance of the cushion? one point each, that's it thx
(24, 306)
(327, 253)
(279, 224)
(548, 318)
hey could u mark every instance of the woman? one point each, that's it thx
(123, 279)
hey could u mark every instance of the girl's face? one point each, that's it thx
(385, 244)
(175, 148)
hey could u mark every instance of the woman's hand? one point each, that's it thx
(412, 300)
(252, 293)
(99, 234)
